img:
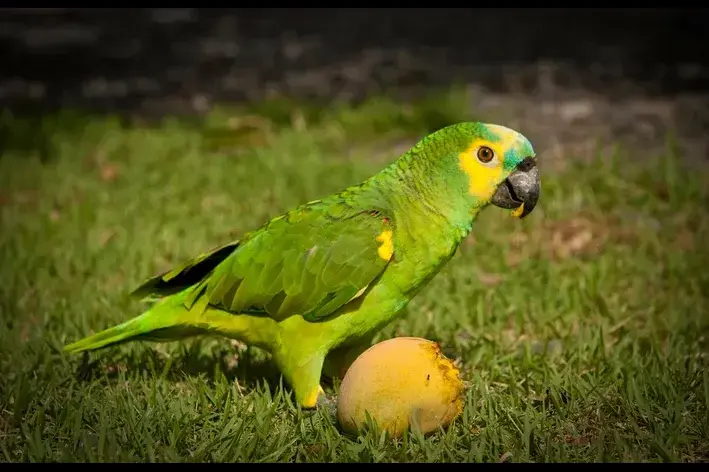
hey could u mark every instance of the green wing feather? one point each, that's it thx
(311, 261)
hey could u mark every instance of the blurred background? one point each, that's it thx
(621, 73)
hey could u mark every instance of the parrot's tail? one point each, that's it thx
(164, 321)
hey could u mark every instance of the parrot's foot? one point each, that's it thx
(303, 377)
(311, 402)
(323, 402)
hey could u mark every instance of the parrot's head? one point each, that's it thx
(486, 163)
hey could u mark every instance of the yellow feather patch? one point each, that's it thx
(484, 178)
(386, 249)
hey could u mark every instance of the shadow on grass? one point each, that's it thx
(247, 366)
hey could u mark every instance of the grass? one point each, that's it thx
(582, 330)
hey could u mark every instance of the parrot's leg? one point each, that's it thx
(339, 360)
(303, 375)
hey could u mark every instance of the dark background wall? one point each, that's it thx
(173, 60)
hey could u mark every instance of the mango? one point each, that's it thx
(402, 383)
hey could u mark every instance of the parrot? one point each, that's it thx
(314, 285)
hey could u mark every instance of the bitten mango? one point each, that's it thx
(402, 382)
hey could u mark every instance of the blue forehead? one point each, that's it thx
(518, 150)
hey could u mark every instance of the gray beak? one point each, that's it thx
(522, 187)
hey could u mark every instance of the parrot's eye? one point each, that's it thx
(485, 154)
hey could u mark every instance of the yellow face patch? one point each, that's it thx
(386, 249)
(484, 178)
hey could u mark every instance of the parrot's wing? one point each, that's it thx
(310, 261)
(184, 275)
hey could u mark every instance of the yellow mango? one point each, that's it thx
(402, 382)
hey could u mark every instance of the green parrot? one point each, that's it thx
(314, 285)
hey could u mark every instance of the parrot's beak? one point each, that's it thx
(520, 190)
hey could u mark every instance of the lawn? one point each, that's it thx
(581, 330)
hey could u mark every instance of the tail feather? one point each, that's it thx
(160, 322)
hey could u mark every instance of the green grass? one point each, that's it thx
(582, 330)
